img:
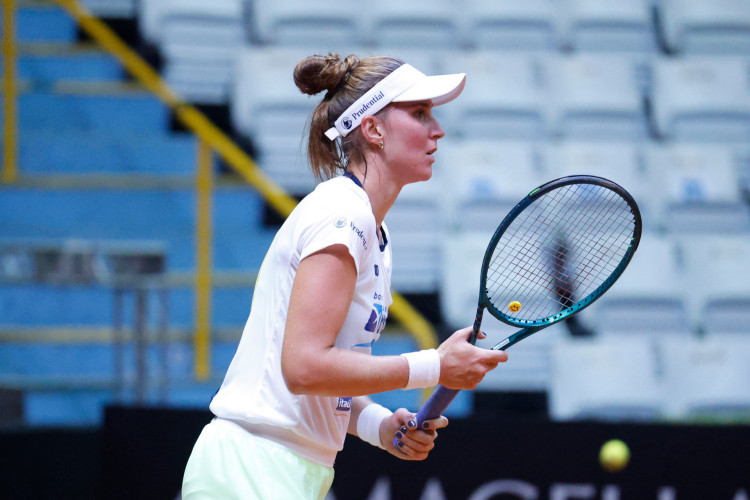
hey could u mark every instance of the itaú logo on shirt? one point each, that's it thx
(344, 404)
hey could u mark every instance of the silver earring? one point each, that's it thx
(381, 145)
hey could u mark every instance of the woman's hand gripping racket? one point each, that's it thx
(553, 255)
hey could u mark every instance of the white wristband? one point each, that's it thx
(424, 369)
(368, 423)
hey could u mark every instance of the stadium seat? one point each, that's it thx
(414, 223)
(112, 8)
(715, 284)
(608, 25)
(204, 82)
(425, 24)
(506, 96)
(199, 41)
(306, 23)
(648, 299)
(131, 113)
(34, 214)
(620, 161)
(118, 215)
(285, 162)
(426, 60)
(43, 23)
(270, 110)
(700, 188)
(607, 378)
(40, 213)
(598, 96)
(701, 98)
(54, 306)
(265, 101)
(90, 153)
(742, 155)
(82, 306)
(461, 261)
(31, 358)
(181, 21)
(706, 378)
(79, 66)
(511, 25)
(718, 27)
(487, 178)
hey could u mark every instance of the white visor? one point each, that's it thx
(402, 85)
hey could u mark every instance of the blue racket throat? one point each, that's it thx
(555, 253)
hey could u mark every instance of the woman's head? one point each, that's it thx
(345, 81)
(356, 89)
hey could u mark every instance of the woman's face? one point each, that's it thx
(410, 141)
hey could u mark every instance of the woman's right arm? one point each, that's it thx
(311, 364)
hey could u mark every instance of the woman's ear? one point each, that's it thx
(371, 129)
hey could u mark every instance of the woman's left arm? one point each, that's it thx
(414, 444)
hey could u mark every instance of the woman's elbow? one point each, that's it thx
(299, 378)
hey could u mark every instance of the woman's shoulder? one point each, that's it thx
(340, 194)
(337, 201)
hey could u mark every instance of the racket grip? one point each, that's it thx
(434, 406)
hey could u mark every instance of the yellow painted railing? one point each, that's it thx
(211, 137)
(9, 170)
(204, 237)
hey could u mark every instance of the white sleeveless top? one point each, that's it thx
(254, 395)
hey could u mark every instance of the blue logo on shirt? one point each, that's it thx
(376, 323)
(344, 404)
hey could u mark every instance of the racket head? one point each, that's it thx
(558, 250)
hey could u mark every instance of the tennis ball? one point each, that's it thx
(614, 455)
(514, 306)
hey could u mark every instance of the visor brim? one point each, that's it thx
(439, 89)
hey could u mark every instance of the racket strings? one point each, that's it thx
(559, 250)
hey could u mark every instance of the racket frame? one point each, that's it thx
(532, 326)
(441, 398)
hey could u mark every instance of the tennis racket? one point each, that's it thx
(556, 252)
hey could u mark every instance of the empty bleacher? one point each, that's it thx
(100, 163)
(654, 94)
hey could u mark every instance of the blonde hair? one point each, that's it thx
(345, 81)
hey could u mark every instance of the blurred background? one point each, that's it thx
(151, 148)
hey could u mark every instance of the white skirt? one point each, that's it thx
(228, 462)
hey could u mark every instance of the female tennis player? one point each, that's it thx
(303, 368)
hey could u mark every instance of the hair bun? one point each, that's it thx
(315, 74)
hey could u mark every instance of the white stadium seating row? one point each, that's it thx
(654, 94)
(581, 97)
(664, 377)
(196, 32)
